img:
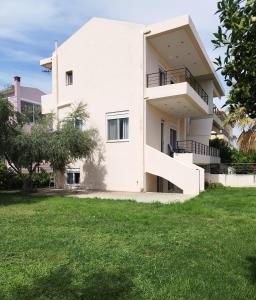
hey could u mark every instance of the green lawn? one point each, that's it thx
(69, 248)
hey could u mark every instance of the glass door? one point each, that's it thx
(173, 138)
(162, 76)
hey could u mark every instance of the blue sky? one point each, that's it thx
(28, 28)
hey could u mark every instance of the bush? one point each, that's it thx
(225, 150)
(213, 185)
(10, 180)
(41, 179)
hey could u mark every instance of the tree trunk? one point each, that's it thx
(27, 186)
(59, 179)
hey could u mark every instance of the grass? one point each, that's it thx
(68, 248)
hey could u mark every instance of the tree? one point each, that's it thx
(27, 146)
(237, 36)
(69, 143)
(247, 139)
(225, 150)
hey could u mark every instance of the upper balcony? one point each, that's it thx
(218, 116)
(180, 78)
(220, 129)
(176, 76)
(177, 91)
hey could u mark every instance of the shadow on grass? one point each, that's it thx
(18, 198)
(63, 284)
(252, 267)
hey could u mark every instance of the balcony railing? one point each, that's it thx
(176, 76)
(190, 146)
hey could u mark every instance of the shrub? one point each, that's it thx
(8, 179)
(225, 150)
(41, 179)
(213, 185)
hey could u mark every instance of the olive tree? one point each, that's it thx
(25, 146)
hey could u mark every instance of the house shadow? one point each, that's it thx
(63, 284)
(252, 268)
(94, 170)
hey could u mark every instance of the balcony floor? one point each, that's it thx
(178, 99)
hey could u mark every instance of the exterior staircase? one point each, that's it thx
(187, 176)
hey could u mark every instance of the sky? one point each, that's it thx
(28, 28)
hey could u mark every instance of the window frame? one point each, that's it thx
(69, 73)
(117, 116)
(73, 171)
(82, 124)
(34, 106)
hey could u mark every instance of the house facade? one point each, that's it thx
(25, 99)
(220, 129)
(149, 91)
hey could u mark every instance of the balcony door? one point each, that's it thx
(162, 76)
(173, 138)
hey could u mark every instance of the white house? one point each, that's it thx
(149, 91)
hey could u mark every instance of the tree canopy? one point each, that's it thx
(237, 36)
(26, 146)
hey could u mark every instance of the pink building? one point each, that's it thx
(25, 99)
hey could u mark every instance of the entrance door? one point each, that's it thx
(160, 179)
(173, 142)
(173, 138)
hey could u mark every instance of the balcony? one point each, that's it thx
(177, 91)
(221, 114)
(196, 148)
(196, 152)
(176, 76)
(222, 131)
(46, 63)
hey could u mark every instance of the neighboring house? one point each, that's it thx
(149, 91)
(28, 101)
(25, 99)
(221, 130)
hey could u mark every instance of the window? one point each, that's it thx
(69, 78)
(31, 111)
(79, 124)
(73, 176)
(117, 126)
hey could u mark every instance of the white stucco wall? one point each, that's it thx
(106, 58)
(233, 180)
(153, 127)
(154, 60)
(200, 130)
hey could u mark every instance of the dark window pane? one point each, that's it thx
(123, 128)
(79, 124)
(70, 177)
(77, 178)
(69, 77)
